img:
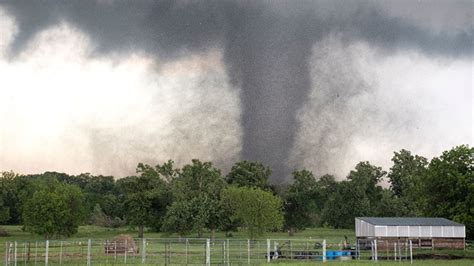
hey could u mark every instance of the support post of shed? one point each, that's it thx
(372, 250)
(411, 253)
(376, 251)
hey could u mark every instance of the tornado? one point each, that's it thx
(267, 56)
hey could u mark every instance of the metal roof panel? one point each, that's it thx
(409, 221)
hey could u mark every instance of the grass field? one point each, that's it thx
(194, 253)
(90, 231)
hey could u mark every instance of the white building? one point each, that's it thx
(423, 231)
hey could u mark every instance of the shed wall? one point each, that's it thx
(365, 229)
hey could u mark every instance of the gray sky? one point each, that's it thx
(98, 86)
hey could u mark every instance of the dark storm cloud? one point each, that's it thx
(267, 48)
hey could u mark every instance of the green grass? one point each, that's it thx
(96, 232)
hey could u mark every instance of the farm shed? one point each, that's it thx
(422, 231)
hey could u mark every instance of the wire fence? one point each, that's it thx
(195, 251)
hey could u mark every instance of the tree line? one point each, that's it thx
(198, 198)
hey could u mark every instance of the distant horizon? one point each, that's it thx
(384, 182)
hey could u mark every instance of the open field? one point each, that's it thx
(96, 232)
(164, 249)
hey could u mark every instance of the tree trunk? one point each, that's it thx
(213, 234)
(140, 231)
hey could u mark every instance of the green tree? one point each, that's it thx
(55, 209)
(250, 174)
(360, 195)
(179, 218)
(6, 187)
(406, 171)
(301, 201)
(367, 177)
(327, 184)
(258, 210)
(14, 192)
(405, 178)
(197, 186)
(165, 171)
(98, 217)
(346, 203)
(145, 198)
(448, 187)
(96, 189)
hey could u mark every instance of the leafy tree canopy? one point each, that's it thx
(448, 187)
(197, 190)
(250, 174)
(406, 171)
(55, 209)
(301, 201)
(259, 211)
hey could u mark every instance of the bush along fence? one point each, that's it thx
(195, 251)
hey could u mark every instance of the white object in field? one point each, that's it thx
(419, 227)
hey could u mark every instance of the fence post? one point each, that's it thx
(170, 253)
(224, 249)
(240, 251)
(306, 249)
(46, 253)
(61, 253)
(376, 251)
(291, 251)
(15, 253)
(358, 249)
(143, 250)
(324, 250)
(395, 250)
(208, 252)
(399, 252)
(24, 253)
(36, 252)
(89, 252)
(268, 250)
(248, 251)
(372, 250)
(228, 251)
(106, 250)
(411, 253)
(187, 242)
(126, 251)
(406, 250)
(7, 253)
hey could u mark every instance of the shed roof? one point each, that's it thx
(409, 221)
